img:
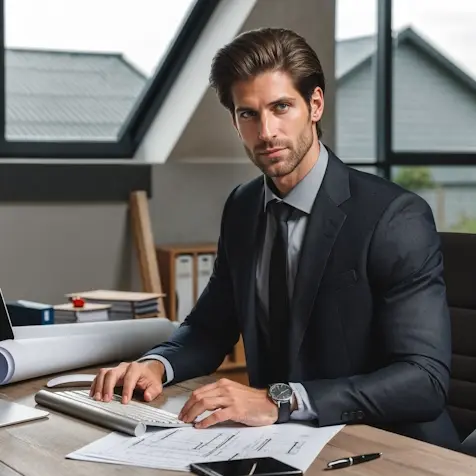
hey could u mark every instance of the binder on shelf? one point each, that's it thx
(204, 271)
(185, 270)
(184, 285)
(30, 313)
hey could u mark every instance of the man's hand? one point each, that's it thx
(232, 401)
(146, 376)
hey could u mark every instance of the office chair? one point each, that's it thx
(459, 255)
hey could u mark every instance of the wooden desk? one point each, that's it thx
(39, 448)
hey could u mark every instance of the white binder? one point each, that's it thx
(204, 270)
(184, 285)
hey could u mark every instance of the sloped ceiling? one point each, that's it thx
(209, 134)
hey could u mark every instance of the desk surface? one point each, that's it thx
(39, 448)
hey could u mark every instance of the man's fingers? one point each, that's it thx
(221, 415)
(111, 379)
(152, 391)
(207, 403)
(92, 388)
(98, 384)
(222, 383)
(205, 388)
(197, 396)
(132, 375)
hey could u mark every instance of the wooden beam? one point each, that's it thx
(145, 246)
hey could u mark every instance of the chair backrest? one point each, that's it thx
(459, 255)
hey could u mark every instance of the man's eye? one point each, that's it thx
(247, 114)
(282, 107)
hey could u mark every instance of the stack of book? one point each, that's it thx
(67, 313)
(123, 304)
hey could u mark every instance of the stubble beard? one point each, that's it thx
(289, 162)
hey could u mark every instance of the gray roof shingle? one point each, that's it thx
(352, 52)
(68, 96)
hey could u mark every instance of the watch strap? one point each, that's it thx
(284, 412)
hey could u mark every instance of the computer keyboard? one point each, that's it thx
(136, 411)
(132, 418)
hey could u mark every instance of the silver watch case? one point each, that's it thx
(280, 393)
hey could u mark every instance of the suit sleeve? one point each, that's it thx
(210, 331)
(412, 327)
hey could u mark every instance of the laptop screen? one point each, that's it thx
(6, 330)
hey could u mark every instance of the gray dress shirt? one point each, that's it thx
(301, 198)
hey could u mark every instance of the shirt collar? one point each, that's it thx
(302, 196)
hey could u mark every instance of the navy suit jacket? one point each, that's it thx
(370, 329)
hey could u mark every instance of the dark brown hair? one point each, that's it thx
(266, 49)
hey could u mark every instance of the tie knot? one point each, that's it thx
(281, 210)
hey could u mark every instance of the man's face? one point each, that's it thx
(274, 122)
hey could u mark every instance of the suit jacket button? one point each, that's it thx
(345, 416)
(353, 415)
(360, 415)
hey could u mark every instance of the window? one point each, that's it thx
(450, 191)
(433, 145)
(434, 76)
(82, 76)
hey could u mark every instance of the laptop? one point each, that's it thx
(12, 413)
(6, 329)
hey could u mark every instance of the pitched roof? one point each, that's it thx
(352, 52)
(355, 52)
(88, 96)
(67, 95)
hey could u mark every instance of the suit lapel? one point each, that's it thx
(250, 234)
(324, 223)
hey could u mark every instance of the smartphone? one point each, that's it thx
(245, 467)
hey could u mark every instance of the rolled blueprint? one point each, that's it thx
(57, 348)
(89, 328)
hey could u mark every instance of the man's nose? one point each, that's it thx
(267, 131)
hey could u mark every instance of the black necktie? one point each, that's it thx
(279, 306)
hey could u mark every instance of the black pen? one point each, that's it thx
(351, 460)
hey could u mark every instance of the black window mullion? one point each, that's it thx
(433, 158)
(383, 78)
(68, 150)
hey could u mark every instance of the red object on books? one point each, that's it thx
(77, 301)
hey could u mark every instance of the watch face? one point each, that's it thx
(281, 392)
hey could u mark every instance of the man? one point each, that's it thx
(332, 276)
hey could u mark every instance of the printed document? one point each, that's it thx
(297, 444)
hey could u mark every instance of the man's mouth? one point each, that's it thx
(271, 152)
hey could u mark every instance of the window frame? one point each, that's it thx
(139, 119)
(386, 155)
(93, 171)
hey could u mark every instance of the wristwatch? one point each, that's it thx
(282, 396)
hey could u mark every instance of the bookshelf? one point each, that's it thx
(234, 364)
